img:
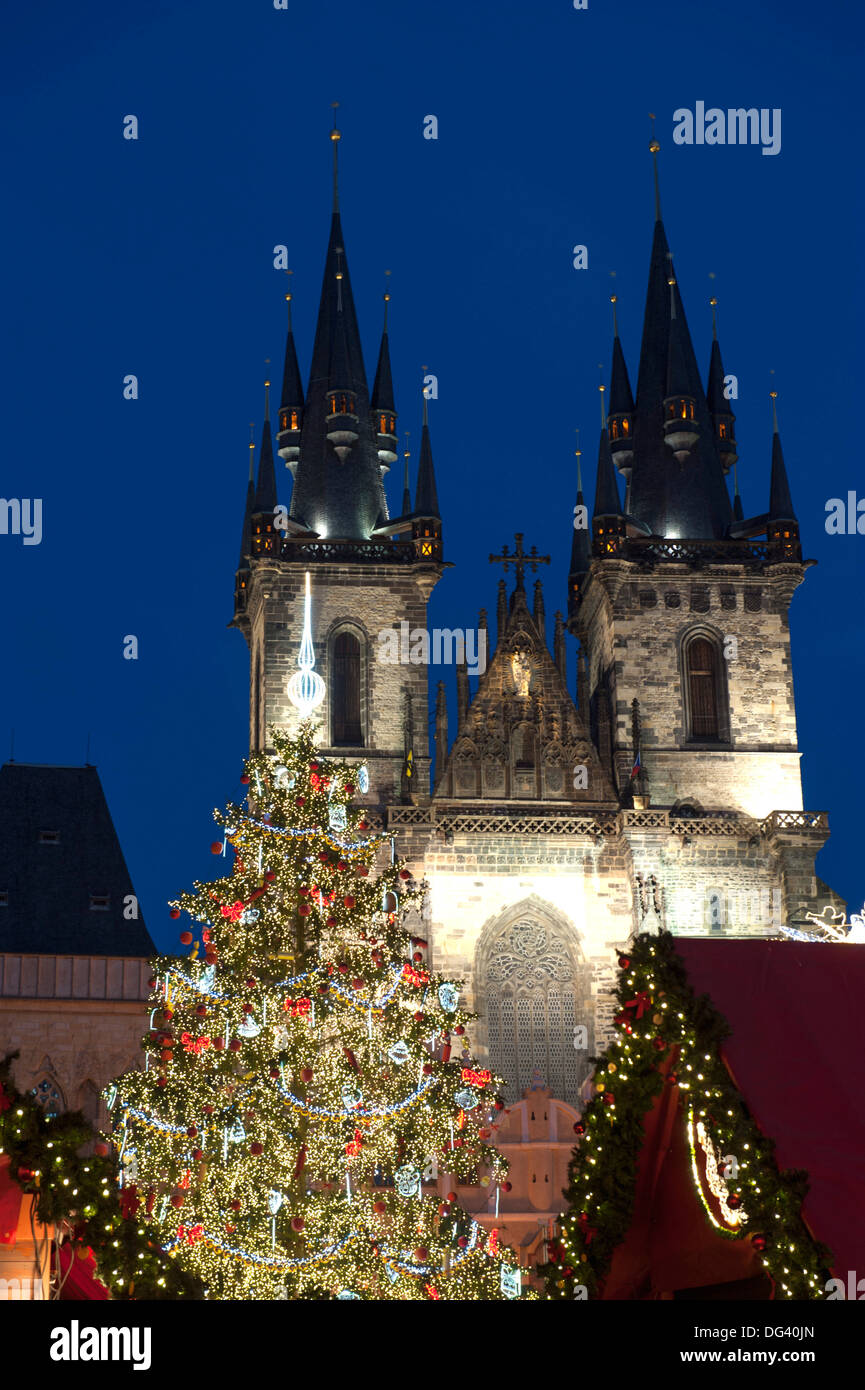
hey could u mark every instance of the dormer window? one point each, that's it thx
(722, 430)
(625, 426)
(99, 902)
(382, 422)
(614, 430)
(49, 837)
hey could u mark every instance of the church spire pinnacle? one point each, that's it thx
(291, 402)
(655, 147)
(717, 398)
(335, 137)
(782, 527)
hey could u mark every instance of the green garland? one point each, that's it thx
(658, 1011)
(83, 1190)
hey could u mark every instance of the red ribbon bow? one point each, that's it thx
(640, 1003)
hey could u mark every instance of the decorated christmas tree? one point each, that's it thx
(308, 1076)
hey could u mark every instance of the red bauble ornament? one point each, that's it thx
(624, 962)
(244, 779)
(451, 1196)
(506, 1186)
(101, 1148)
(175, 913)
(358, 984)
(418, 1017)
(256, 1148)
(349, 786)
(343, 968)
(443, 1210)
(303, 892)
(579, 1128)
(322, 989)
(758, 1242)
(462, 1242)
(234, 1045)
(658, 1044)
(459, 1030)
(734, 1201)
(235, 1204)
(216, 847)
(313, 767)
(297, 1224)
(274, 1071)
(177, 1199)
(186, 938)
(269, 876)
(306, 1075)
(421, 1254)
(417, 957)
(379, 1208)
(342, 866)
(250, 984)
(349, 900)
(331, 921)
(198, 1155)
(163, 1081)
(304, 910)
(499, 1105)
(404, 873)
(208, 1109)
(151, 983)
(427, 1068)
(362, 871)
(609, 1098)
(363, 825)
(229, 1230)
(324, 857)
(192, 1131)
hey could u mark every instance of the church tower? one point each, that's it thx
(369, 572)
(681, 603)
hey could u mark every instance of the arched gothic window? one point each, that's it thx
(703, 690)
(536, 996)
(345, 688)
(526, 748)
(49, 1095)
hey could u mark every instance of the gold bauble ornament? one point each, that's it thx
(611, 1066)
(600, 1085)
(657, 1019)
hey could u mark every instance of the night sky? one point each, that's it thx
(155, 257)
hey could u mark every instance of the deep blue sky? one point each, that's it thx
(155, 257)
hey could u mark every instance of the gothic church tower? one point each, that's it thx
(369, 571)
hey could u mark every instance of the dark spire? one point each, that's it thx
(292, 386)
(265, 492)
(338, 489)
(581, 550)
(723, 419)
(607, 501)
(382, 387)
(246, 533)
(671, 500)
(406, 490)
(780, 501)
(426, 502)
(621, 398)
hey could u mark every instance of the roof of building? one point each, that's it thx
(60, 860)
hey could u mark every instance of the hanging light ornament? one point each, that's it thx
(306, 687)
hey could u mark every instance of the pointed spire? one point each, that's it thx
(426, 501)
(607, 501)
(780, 501)
(382, 389)
(292, 386)
(655, 148)
(621, 397)
(265, 492)
(581, 553)
(335, 136)
(246, 533)
(723, 419)
(406, 490)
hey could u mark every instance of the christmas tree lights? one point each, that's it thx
(667, 1037)
(309, 1075)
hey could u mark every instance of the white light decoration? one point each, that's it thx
(831, 926)
(306, 688)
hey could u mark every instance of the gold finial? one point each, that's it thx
(424, 389)
(289, 273)
(614, 299)
(654, 146)
(386, 298)
(579, 453)
(267, 391)
(601, 389)
(714, 303)
(406, 456)
(774, 395)
(252, 451)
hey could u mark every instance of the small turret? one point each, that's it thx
(782, 529)
(381, 407)
(426, 521)
(265, 538)
(681, 430)
(608, 521)
(723, 419)
(291, 404)
(621, 415)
